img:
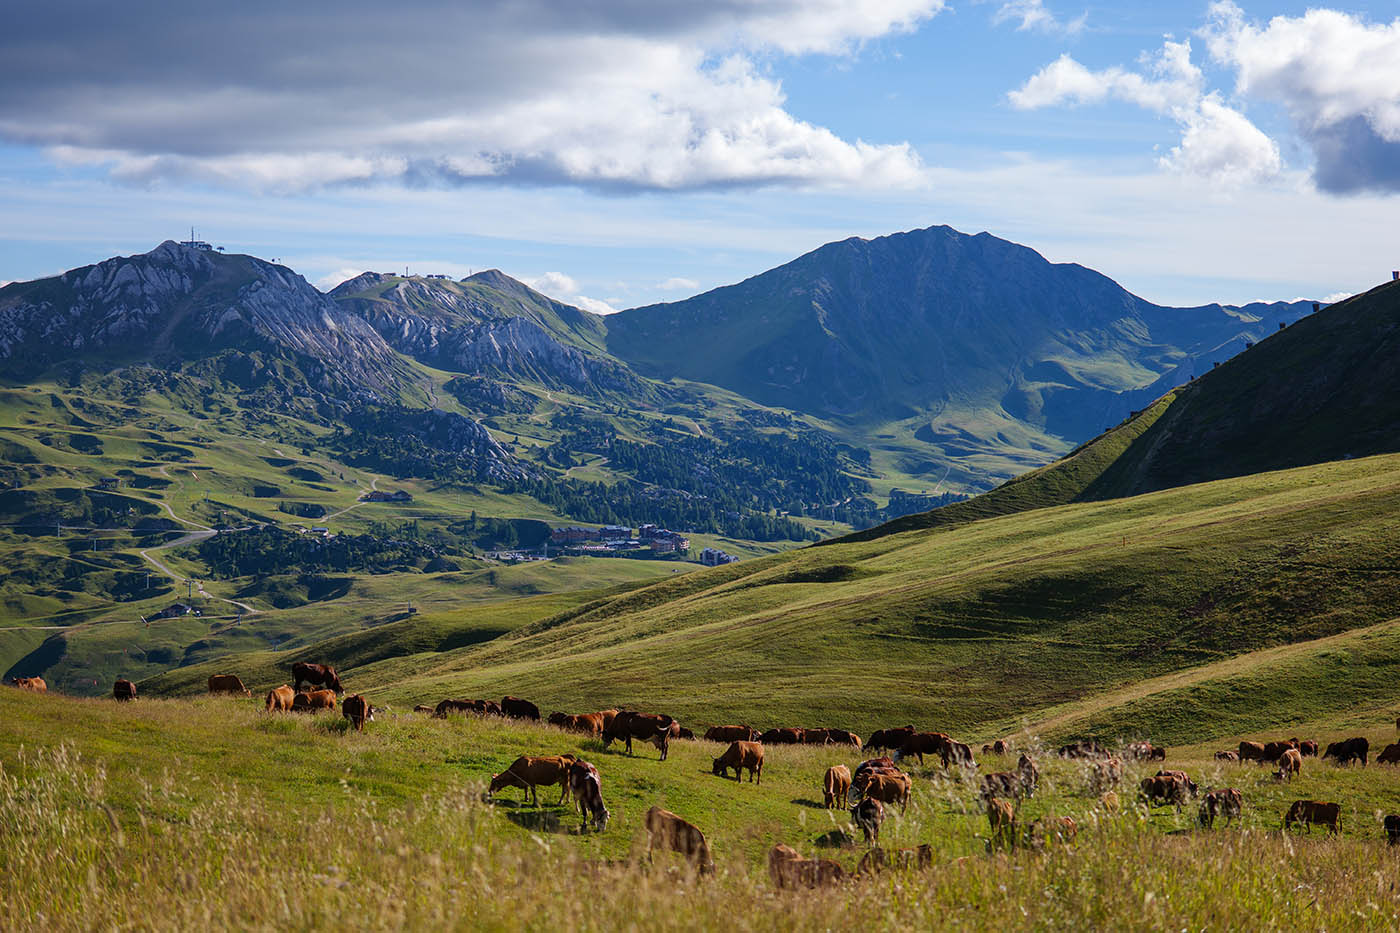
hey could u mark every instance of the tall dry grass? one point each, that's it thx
(74, 855)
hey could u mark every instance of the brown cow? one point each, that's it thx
(1289, 764)
(1106, 773)
(608, 716)
(1227, 756)
(1309, 812)
(479, 707)
(585, 723)
(279, 699)
(123, 690)
(890, 788)
(957, 753)
(1251, 751)
(357, 709)
(1181, 776)
(1348, 751)
(815, 736)
(1390, 755)
(33, 684)
(788, 869)
(1001, 817)
(313, 702)
(889, 738)
(516, 708)
(652, 727)
(318, 675)
(1308, 747)
(1226, 803)
(586, 787)
(732, 734)
(530, 771)
(920, 744)
(878, 860)
(782, 737)
(1273, 751)
(1014, 784)
(227, 683)
(1392, 829)
(869, 767)
(740, 755)
(836, 787)
(842, 737)
(669, 831)
(868, 815)
(1164, 789)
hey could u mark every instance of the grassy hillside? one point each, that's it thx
(981, 626)
(213, 814)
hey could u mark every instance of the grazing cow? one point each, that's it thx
(123, 690)
(529, 772)
(1105, 774)
(33, 684)
(957, 753)
(586, 788)
(479, 707)
(920, 744)
(279, 699)
(227, 683)
(1226, 803)
(1348, 751)
(1084, 748)
(1308, 747)
(890, 788)
(732, 734)
(889, 738)
(1014, 784)
(740, 755)
(868, 815)
(782, 737)
(683, 733)
(877, 859)
(1164, 789)
(516, 708)
(608, 716)
(1180, 776)
(836, 787)
(652, 727)
(1273, 751)
(313, 702)
(1309, 812)
(1390, 755)
(586, 723)
(1001, 817)
(1251, 751)
(357, 709)
(318, 675)
(843, 737)
(1289, 764)
(815, 736)
(869, 767)
(788, 869)
(1392, 829)
(1227, 756)
(669, 831)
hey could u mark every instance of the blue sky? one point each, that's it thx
(624, 152)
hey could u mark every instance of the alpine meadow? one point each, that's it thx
(544, 493)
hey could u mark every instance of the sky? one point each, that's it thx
(617, 153)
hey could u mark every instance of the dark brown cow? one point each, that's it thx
(1273, 751)
(1390, 755)
(732, 734)
(843, 737)
(788, 869)
(1290, 763)
(920, 744)
(1251, 751)
(1181, 776)
(587, 789)
(652, 727)
(1226, 803)
(1348, 751)
(32, 684)
(123, 690)
(890, 788)
(227, 683)
(1309, 812)
(836, 787)
(870, 767)
(516, 708)
(280, 699)
(878, 860)
(669, 831)
(585, 723)
(1001, 819)
(479, 707)
(1308, 747)
(868, 815)
(891, 739)
(313, 702)
(318, 675)
(781, 737)
(531, 771)
(1392, 829)
(683, 733)
(741, 755)
(1164, 789)
(815, 736)
(357, 709)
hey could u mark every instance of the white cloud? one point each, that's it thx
(1336, 75)
(676, 284)
(553, 284)
(1336, 297)
(596, 305)
(615, 94)
(1218, 142)
(1034, 15)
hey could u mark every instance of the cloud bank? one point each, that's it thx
(616, 94)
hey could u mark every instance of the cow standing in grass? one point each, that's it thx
(227, 684)
(836, 787)
(123, 690)
(1227, 803)
(668, 831)
(868, 815)
(1290, 763)
(586, 787)
(651, 727)
(280, 699)
(1309, 812)
(1348, 751)
(357, 709)
(530, 771)
(318, 675)
(741, 755)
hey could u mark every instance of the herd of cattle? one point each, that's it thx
(877, 783)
